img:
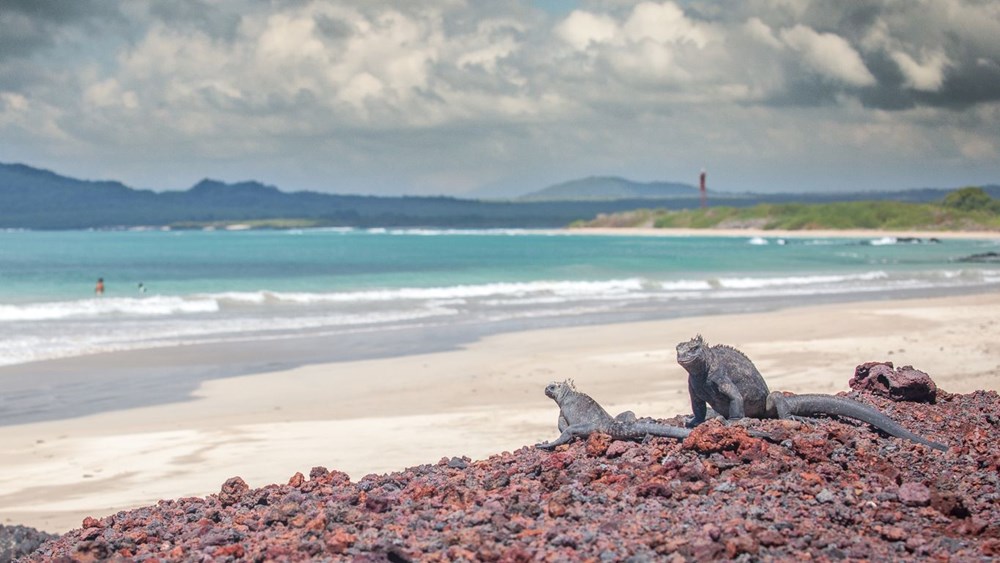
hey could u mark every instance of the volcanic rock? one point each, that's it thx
(18, 541)
(902, 384)
(829, 490)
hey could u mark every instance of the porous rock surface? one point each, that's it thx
(18, 541)
(900, 384)
(830, 490)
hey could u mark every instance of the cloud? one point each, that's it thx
(452, 95)
(828, 54)
(33, 25)
(663, 23)
(582, 29)
(927, 75)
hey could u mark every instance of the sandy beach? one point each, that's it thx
(783, 233)
(384, 415)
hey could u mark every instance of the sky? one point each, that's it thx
(481, 98)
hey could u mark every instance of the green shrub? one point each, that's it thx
(970, 199)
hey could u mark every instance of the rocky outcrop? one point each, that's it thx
(829, 490)
(900, 384)
(983, 257)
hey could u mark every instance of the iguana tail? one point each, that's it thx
(656, 429)
(810, 405)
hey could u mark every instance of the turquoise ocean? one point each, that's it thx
(204, 287)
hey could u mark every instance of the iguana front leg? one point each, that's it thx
(572, 431)
(698, 406)
(729, 389)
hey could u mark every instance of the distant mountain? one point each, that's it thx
(31, 198)
(610, 187)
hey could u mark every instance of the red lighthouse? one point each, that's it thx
(701, 187)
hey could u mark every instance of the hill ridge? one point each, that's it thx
(34, 198)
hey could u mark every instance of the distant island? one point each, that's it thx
(610, 188)
(32, 198)
(965, 209)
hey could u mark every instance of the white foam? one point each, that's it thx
(48, 330)
(94, 336)
(686, 285)
(883, 241)
(443, 293)
(97, 307)
(792, 281)
(427, 232)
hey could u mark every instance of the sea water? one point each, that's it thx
(173, 288)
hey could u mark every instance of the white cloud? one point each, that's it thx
(30, 119)
(828, 54)
(663, 23)
(976, 146)
(927, 75)
(103, 94)
(761, 32)
(359, 88)
(581, 29)
(13, 103)
(487, 54)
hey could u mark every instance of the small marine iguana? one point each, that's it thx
(726, 379)
(580, 415)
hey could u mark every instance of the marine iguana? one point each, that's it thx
(580, 415)
(726, 379)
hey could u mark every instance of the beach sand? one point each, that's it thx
(783, 233)
(384, 415)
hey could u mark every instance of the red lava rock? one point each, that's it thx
(902, 384)
(233, 551)
(739, 545)
(617, 449)
(338, 541)
(831, 490)
(770, 538)
(232, 491)
(91, 522)
(812, 447)
(713, 436)
(597, 444)
(949, 504)
(969, 526)
(892, 533)
(991, 548)
(914, 494)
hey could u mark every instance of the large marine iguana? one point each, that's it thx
(726, 379)
(580, 415)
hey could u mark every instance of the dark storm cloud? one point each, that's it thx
(966, 37)
(219, 21)
(30, 25)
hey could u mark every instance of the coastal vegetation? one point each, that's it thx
(969, 208)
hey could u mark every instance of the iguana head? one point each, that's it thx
(557, 390)
(691, 351)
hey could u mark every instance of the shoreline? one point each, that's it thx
(90, 384)
(784, 233)
(478, 399)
